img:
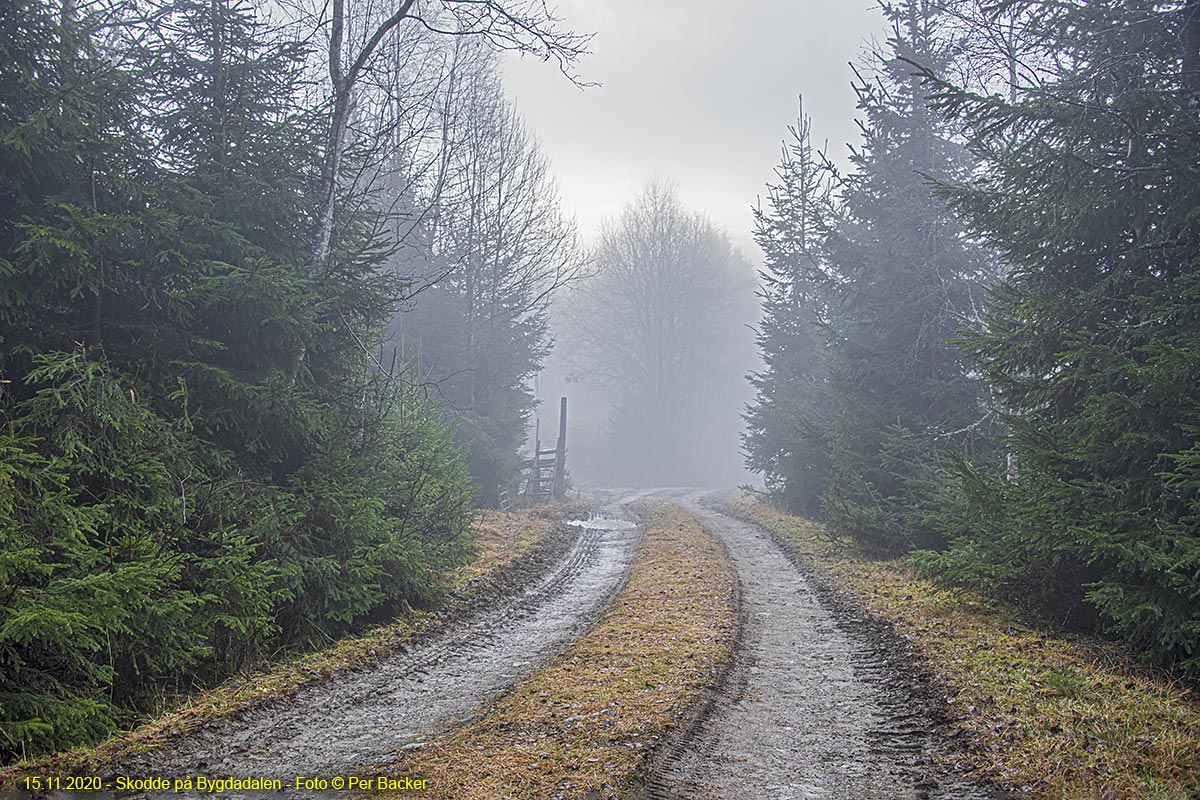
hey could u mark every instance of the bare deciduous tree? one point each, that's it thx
(354, 50)
(493, 248)
(658, 327)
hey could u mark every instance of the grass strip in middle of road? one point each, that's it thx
(584, 725)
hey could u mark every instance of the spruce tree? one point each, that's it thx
(884, 398)
(198, 465)
(1091, 341)
(785, 424)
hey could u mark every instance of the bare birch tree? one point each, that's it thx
(494, 247)
(354, 39)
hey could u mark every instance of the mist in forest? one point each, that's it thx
(288, 289)
(683, 131)
(653, 345)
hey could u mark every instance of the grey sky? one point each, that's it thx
(697, 91)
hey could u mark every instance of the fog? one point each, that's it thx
(289, 288)
(696, 92)
(652, 348)
(699, 97)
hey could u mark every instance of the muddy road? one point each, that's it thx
(814, 707)
(353, 722)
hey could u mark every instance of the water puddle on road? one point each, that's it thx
(603, 524)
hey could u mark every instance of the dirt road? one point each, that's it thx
(813, 708)
(352, 722)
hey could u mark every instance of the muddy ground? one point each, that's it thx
(816, 705)
(819, 704)
(354, 722)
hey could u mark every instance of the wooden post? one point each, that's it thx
(560, 455)
(531, 487)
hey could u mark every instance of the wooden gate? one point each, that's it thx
(548, 468)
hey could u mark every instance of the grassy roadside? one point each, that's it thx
(1063, 718)
(504, 542)
(584, 725)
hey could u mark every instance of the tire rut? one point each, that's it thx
(817, 704)
(366, 718)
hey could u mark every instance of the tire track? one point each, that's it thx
(402, 701)
(813, 708)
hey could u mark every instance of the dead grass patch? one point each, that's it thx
(1061, 717)
(582, 726)
(502, 541)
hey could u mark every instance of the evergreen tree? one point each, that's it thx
(197, 468)
(886, 282)
(907, 280)
(1092, 340)
(784, 437)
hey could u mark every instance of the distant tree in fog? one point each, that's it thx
(657, 327)
(493, 247)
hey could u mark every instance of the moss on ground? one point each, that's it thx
(583, 726)
(502, 541)
(1062, 717)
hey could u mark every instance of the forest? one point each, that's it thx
(981, 345)
(277, 279)
(228, 427)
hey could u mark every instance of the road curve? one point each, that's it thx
(811, 710)
(368, 716)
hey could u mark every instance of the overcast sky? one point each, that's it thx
(697, 91)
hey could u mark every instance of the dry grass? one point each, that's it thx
(502, 540)
(1061, 717)
(582, 727)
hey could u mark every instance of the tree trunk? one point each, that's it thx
(329, 172)
(343, 105)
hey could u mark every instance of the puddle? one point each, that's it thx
(604, 524)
